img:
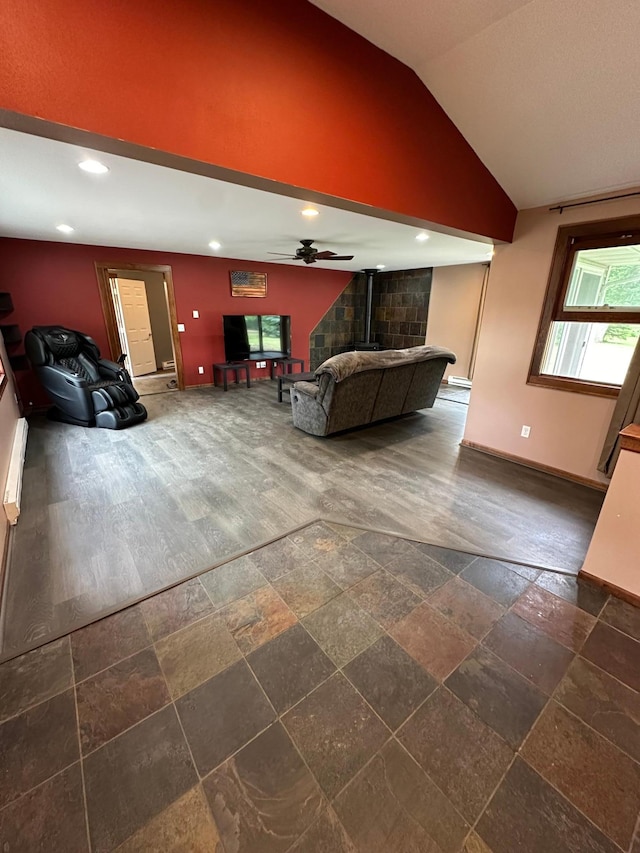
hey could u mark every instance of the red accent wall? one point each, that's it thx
(54, 283)
(278, 89)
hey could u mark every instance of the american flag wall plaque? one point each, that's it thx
(248, 283)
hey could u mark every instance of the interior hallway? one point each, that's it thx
(110, 517)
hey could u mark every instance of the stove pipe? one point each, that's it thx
(367, 316)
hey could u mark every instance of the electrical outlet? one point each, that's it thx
(201, 369)
(525, 432)
(196, 315)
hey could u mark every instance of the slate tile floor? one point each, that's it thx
(338, 691)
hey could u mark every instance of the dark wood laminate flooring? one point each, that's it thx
(299, 717)
(110, 517)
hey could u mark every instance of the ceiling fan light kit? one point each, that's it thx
(309, 254)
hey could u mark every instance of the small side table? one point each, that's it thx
(287, 365)
(224, 369)
(286, 380)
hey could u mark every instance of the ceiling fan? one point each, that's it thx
(310, 255)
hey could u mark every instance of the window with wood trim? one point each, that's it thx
(591, 317)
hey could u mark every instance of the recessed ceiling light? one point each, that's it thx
(93, 166)
(309, 211)
(66, 229)
(422, 236)
(380, 266)
(215, 245)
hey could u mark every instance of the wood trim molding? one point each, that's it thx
(537, 466)
(103, 271)
(630, 438)
(617, 591)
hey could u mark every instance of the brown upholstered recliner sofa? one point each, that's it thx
(357, 388)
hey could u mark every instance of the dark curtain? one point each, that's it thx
(627, 411)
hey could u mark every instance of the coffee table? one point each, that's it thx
(287, 379)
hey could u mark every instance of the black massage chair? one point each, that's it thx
(86, 390)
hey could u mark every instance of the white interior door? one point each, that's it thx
(135, 314)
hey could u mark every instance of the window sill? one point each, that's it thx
(575, 386)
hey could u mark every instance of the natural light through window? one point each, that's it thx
(604, 283)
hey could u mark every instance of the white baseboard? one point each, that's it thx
(459, 380)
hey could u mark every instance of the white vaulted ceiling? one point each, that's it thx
(547, 92)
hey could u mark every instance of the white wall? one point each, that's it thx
(453, 312)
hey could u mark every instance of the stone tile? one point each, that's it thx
(34, 677)
(604, 703)
(316, 540)
(501, 698)
(49, 819)
(616, 653)
(134, 777)
(496, 580)
(196, 653)
(528, 572)
(342, 629)
(347, 565)
(421, 574)
(326, 835)
(393, 805)
(390, 680)
(346, 532)
(108, 641)
(528, 815)
(37, 744)
(474, 844)
(623, 616)
(119, 697)
(289, 667)
(382, 548)
(560, 620)
(223, 714)
(264, 797)
(186, 826)
(581, 594)
(465, 605)
(593, 774)
(384, 598)
(530, 651)
(336, 732)
(279, 558)
(257, 618)
(305, 589)
(455, 561)
(462, 755)
(435, 642)
(174, 609)
(232, 581)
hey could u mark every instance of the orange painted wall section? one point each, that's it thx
(55, 283)
(279, 89)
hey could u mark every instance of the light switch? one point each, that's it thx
(196, 314)
(181, 327)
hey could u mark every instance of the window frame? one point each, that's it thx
(570, 240)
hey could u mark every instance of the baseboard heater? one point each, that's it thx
(459, 380)
(13, 490)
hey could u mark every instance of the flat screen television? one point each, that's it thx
(255, 335)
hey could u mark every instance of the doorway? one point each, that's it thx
(138, 303)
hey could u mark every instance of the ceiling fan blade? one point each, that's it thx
(323, 256)
(340, 258)
(282, 255)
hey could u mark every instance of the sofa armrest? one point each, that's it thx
(309, 389)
